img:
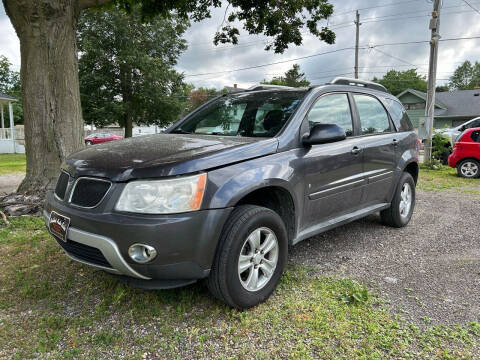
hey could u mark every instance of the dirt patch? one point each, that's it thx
(430, 270)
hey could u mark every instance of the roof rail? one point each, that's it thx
(360, 83)
(270, 87)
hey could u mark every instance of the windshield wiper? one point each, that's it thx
(179, 131)
(217, 133)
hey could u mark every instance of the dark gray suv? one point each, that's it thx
(224, 192)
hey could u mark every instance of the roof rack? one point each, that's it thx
(360, 83)
(270, 87)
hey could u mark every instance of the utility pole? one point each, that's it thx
(432, 77)
(357, 23)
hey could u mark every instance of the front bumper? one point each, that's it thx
(185, 243)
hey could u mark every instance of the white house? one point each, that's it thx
(7, 136)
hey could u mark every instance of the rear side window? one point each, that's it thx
(399, 115)
(373, 117)
(476, 136)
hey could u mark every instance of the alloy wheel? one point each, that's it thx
(258, 259)
(469, 169)
(405, 200)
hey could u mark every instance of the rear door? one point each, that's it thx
(379, 140)
(333, 184)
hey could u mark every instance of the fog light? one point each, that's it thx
(142, 253)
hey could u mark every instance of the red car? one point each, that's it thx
(100, 138)
(466, 154)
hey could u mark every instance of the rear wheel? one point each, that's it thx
(250, 257)
(401, 209)
(469, 168)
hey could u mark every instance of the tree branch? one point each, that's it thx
(85, 4)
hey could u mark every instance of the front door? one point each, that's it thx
(379, 141)
(333, 183)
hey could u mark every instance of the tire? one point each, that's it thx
(469, 169)
(88, 143)
(398, 214)
(226, 281)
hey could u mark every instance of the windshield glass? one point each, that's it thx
(259, 114)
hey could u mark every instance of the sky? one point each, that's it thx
(383, 22)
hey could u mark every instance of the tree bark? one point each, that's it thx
(126, 84)
(50, 86)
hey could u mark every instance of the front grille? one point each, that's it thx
(62, 184)
(88, 192)
(84, 252)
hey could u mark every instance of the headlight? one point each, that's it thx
(163, 196)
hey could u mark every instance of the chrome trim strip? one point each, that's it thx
(385, 174)
(107, 247)
(72, 190)
(349, 186)
(110, 270)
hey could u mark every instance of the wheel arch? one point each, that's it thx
(276, 198)
(413, 169)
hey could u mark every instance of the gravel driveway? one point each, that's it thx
(429, 270)
(10, 182)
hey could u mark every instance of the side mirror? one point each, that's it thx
(324, 133)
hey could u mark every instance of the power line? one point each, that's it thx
(330, 52)
(466, 2)
(274, 63)
(377, 6)
(393, 57)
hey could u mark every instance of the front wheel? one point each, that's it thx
(401, 209)
(250, 258)
(469, 169)
(88, 143)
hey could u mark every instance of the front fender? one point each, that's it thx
(230, 184)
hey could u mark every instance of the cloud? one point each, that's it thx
(383, 21)
(9, 44)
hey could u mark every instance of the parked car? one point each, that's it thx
(466, 154)
(453, 133)
(101, 138)
(224, 191)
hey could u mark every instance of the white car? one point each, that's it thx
(453, 133)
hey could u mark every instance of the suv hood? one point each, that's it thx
(162, 155)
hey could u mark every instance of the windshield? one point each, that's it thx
(259, 114)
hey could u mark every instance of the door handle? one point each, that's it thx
(395, 142)
(356, 150)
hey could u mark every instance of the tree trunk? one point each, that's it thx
(50, 87)
(128, 125)
(126, 85)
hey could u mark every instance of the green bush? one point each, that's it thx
(441, 148)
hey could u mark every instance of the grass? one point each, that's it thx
(12, 163)
(446, 178)
(54, 308)
(443, 179)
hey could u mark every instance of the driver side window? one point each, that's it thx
(332, 109)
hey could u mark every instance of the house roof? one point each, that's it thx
(6, 97)
(462, 103)
(423, 96)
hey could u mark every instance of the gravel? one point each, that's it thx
(10, 182)
(428, 270)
